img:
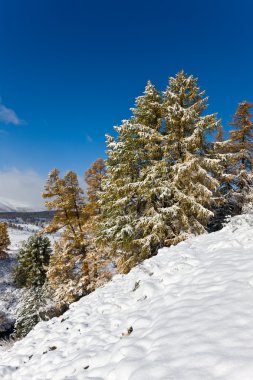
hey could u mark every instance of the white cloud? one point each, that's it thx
(8, 116)
(22, 187)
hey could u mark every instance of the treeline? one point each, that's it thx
(169, 174)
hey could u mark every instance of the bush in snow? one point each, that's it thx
(33, 260)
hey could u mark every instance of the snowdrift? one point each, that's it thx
(186, 314)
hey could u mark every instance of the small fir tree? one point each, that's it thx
(36, 305)
(4, 241)
(33, 260)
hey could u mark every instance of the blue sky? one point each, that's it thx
(70, 70)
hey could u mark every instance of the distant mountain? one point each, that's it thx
(7, 205)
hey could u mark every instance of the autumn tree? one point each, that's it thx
(65, 197)
(93, 178)
(4, 240)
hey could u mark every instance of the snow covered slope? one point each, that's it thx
(186, 314)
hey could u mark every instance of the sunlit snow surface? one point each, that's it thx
(191, 315)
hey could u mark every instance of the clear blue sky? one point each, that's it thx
(72, 69)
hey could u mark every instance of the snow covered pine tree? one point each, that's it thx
(195, 172)
(160, 182)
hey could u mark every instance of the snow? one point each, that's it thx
(185, 314)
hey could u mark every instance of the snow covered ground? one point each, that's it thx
(186, 314)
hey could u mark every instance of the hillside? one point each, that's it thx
(185, 314)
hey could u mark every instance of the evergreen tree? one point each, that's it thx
(4, 240)
(36, 305)
(135, 202)
(194, 176)
(240, 146)
(229, 205)
(162, 178)
(33, 260)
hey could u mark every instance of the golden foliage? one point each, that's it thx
(4, 240)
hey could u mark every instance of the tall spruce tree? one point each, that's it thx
(194, 172)
(136, 200)
(162, 178)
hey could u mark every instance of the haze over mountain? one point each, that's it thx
(8, 205)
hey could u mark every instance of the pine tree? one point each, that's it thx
(194, 182)
(240, 146)
(28, 314)
(135, 202)
(36, 305)
(229, 205)
(4, 240)
(162, 181)
(33, 260)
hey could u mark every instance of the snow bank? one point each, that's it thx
(186, 314)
